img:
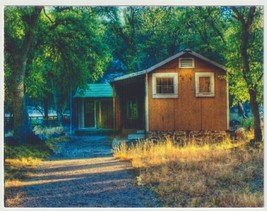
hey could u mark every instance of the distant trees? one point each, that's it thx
(142, 36)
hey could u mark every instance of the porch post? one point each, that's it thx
(227, 102)
(95, 113)
(114, 108)
(146, 104)
(82, 126)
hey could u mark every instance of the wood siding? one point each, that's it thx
(188, 112)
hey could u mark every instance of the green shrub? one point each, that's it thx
(19, 152)
(247, 123)
(52, 143)
(40, 151)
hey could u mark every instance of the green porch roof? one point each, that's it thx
(94, 91)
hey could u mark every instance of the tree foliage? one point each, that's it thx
(70, 53)
(71, 46)
(242, 81)
(246, 59)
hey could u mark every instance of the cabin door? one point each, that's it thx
(89, 114)
(134, 114)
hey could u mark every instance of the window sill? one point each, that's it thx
(157, 96)
(205, 95)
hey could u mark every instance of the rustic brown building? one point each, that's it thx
(184, 92)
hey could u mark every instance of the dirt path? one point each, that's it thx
(84, 174)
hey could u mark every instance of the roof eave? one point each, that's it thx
(186, 51)
(130, 75)
(208, 60)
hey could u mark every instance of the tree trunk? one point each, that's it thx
(256, 114)
(22, 129)
(56, 104)
(241, 110)
(46, 111)
(20, 118)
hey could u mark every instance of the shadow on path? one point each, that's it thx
(84, 174)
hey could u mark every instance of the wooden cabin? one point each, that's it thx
(93, 107)
(184, 92)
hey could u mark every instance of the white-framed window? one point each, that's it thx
(165, 85)
(186, 63)
(204, 82)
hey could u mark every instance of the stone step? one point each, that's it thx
(140, 131)
(136, 136)
(93, 132)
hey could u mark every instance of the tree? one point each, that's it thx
(72, 52)
(245, 59)
(50, 54)
(69, 52)
(20, 26)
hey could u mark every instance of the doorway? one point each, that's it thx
(97, 113)
(89, 114)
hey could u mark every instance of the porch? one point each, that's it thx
(130, 101)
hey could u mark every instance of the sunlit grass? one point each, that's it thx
(18, 161)
(226, 174)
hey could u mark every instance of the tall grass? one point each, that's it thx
(226, 174)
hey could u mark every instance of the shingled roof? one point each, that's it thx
(94, 91)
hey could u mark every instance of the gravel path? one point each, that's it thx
(84, 174)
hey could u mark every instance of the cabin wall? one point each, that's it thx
(188, 112)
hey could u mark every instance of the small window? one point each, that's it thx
(204, 84)
(186, 63)
(132, 108)
(165, 85)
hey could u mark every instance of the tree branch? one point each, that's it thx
(29, 35)
(48, 16)
(238, 15)
(260, 77)
(251, 15)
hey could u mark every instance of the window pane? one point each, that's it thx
(165, 85)
(204, 84)
(132, 108)
(158, 89)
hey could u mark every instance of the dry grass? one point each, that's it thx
(13, 200)
(211, 175)
(16, 168)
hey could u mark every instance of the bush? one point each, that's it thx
(247, 123)
(48, 132)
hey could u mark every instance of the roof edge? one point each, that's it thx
(152, 68)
